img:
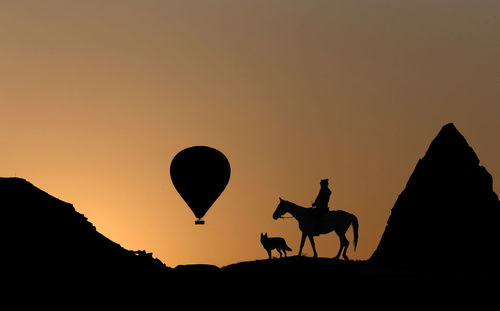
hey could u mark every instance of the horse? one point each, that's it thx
(338, 221)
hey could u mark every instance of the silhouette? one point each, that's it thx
(321, 202)
(447, 219)
(200, 174)
(274, 243)
(338, 221)
(46, 239)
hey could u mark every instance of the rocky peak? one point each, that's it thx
(448, 213)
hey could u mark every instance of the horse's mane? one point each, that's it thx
(296, 205)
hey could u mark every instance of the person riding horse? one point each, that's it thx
(321, 202)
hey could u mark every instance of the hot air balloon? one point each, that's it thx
(199, 175)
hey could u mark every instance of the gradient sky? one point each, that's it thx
(97, 97)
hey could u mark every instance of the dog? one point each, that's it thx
(274, 243)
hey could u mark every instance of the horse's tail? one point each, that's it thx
(355, 227)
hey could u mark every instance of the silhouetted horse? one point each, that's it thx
(338, 221)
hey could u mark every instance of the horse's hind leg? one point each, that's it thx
(346, 245)
(340, 249)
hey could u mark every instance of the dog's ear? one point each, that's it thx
(281, 200)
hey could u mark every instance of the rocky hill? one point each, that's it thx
(46, 238)
(447, 219)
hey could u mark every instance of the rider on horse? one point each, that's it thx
(321, 202)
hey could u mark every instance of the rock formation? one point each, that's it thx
(447, 219)
(45, 237)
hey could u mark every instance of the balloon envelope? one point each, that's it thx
(200, 174)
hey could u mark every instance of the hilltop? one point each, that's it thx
(48, 238)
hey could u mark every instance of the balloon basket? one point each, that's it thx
(199, 222)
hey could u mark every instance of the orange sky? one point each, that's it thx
(97, 97)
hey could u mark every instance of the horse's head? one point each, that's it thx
(280, 209)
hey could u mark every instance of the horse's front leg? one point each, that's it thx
(302, 240)
(311, 239)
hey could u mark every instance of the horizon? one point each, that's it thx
(98, 97)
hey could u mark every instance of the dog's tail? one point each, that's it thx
(287, 248)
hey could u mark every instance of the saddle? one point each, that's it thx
(320, 211)
(318, 214)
